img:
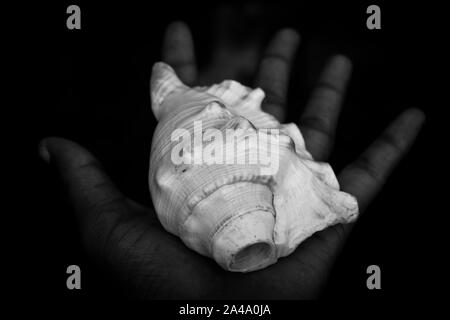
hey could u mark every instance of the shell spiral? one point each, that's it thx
(244, 214)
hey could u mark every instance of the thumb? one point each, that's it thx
(98, 204)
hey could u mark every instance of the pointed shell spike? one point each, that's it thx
(164, 81)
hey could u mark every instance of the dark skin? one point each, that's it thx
(126, 237)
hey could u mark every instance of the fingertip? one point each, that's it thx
(409, 122)
(59, 149)
(177, 28)
(284, 44)
(415, 115)
(46, 147)
(342, 62)
(43, 152)
(290, 35)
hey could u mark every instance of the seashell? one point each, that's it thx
(243, 214)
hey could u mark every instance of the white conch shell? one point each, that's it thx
(234, 213)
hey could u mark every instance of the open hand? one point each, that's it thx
(127, 238)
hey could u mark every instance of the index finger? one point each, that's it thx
(319, 120)
(274, 71)
(364, 177)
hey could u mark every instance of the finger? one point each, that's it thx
(318, 122)
(366, 175)
(274, 71)
(178, 51)
(98, 203)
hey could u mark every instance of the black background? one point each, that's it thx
(92, 86)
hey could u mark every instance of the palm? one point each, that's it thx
(127, 237)
(161, 266)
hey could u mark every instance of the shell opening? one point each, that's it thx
(246, 243)
(251, 256)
